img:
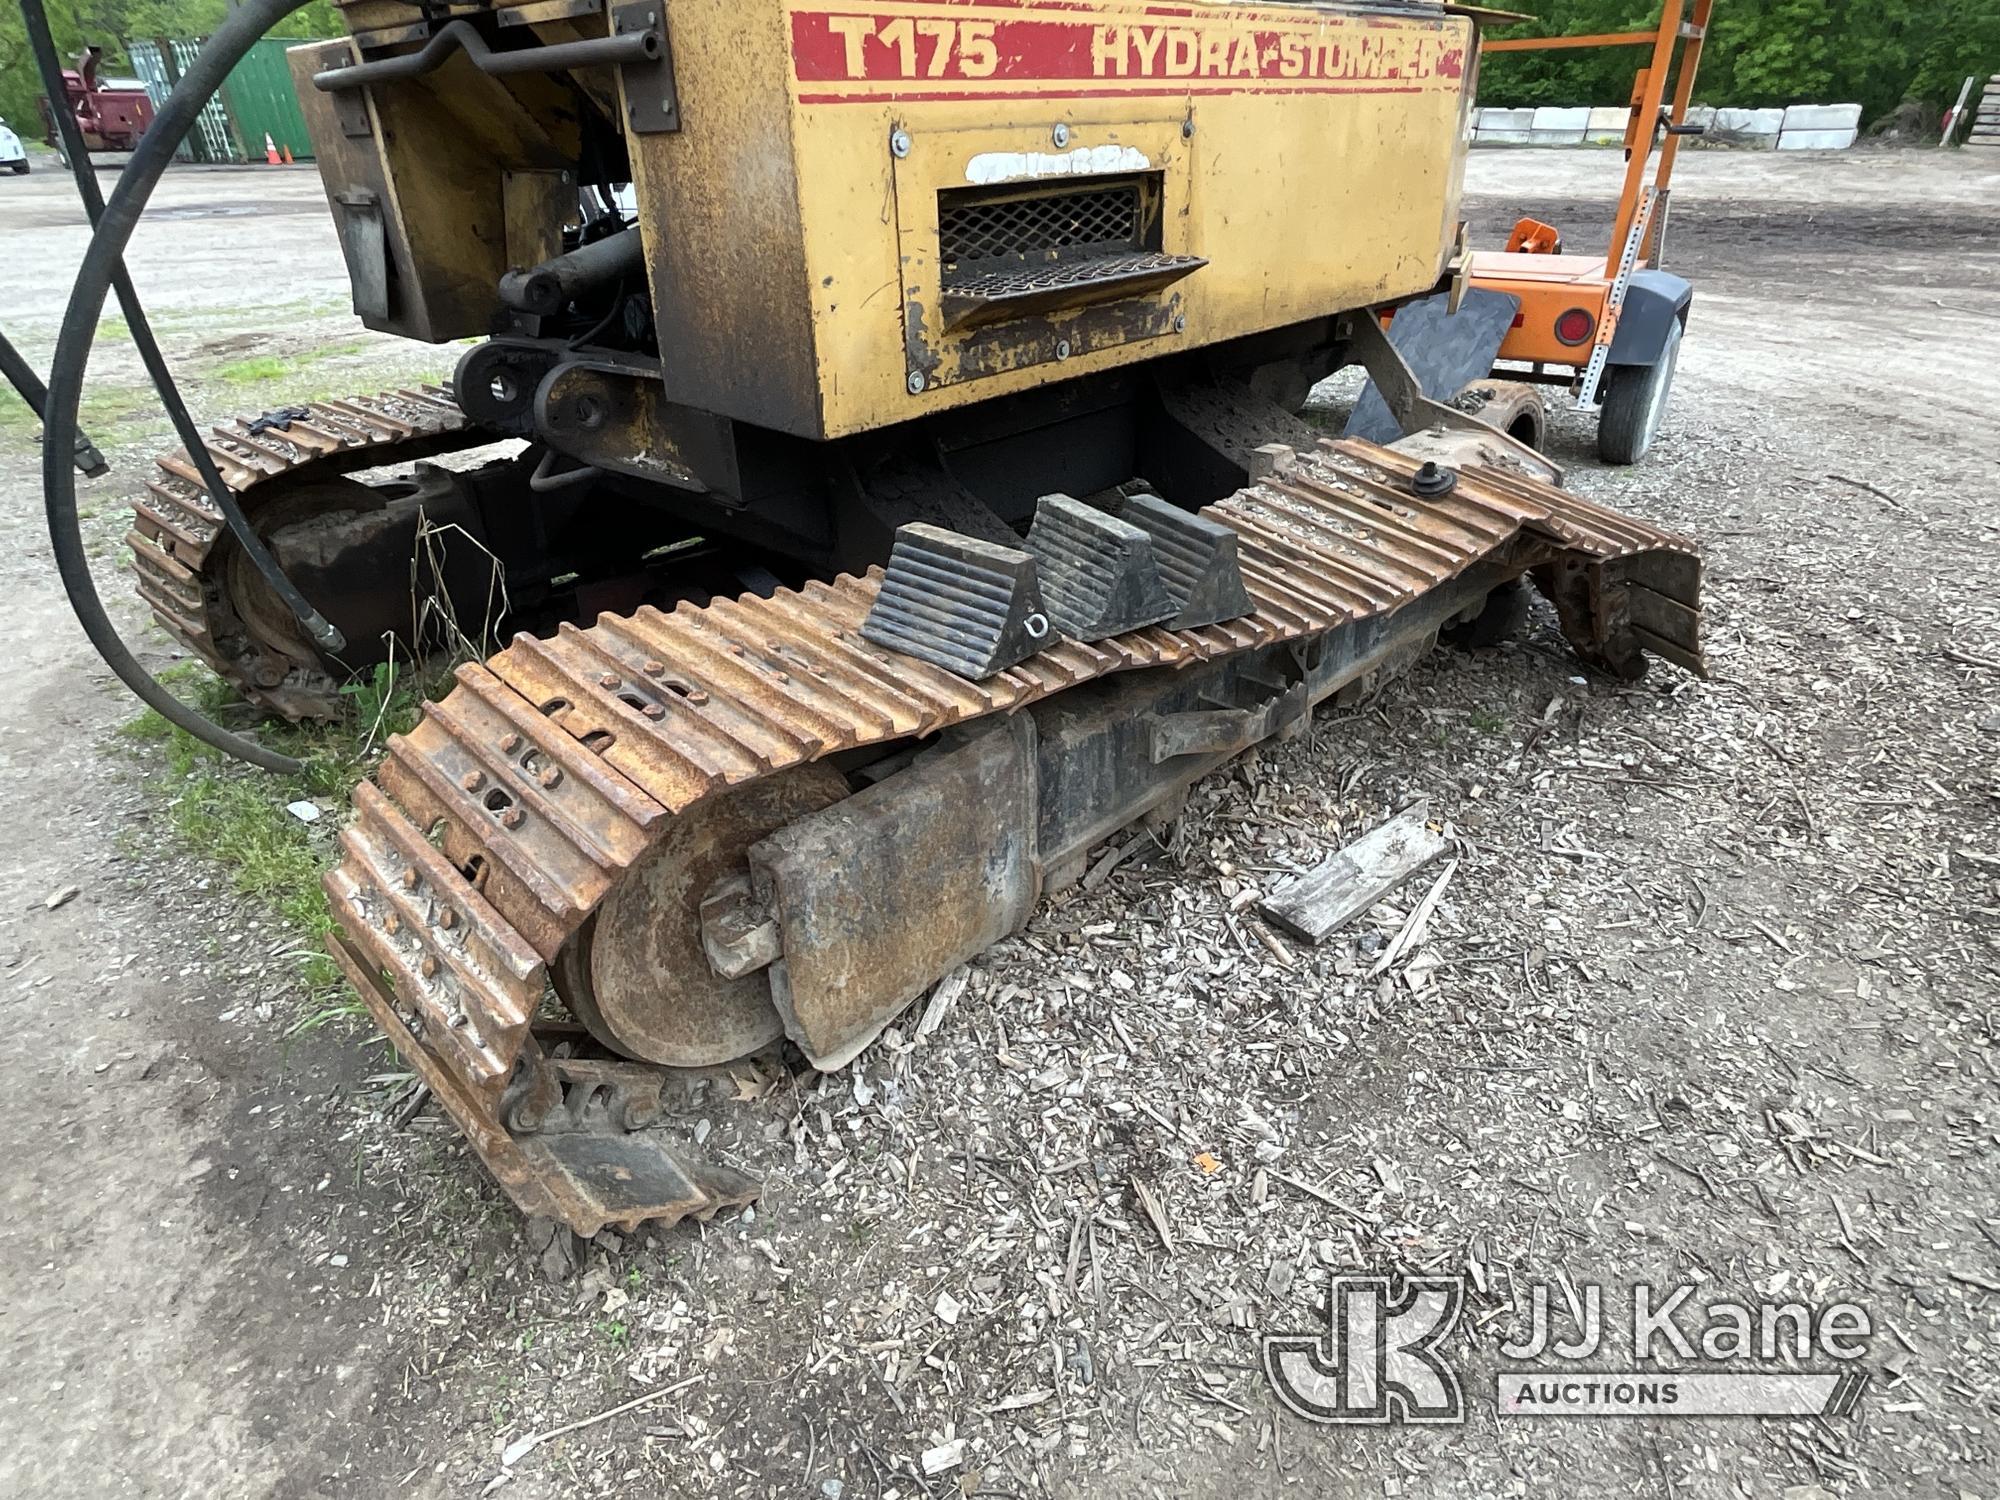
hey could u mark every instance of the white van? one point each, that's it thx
(12, 157)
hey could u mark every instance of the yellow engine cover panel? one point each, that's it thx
(1280, 163)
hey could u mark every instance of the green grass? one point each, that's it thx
(254, 371)
(107, 415)
(112, 415)
(270, 369)
(614, 1333)
(236, 816)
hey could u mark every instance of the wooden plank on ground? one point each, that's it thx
(1317, 903)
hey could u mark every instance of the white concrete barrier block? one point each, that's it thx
(1747, 122)
(1803, 127)
(1816, 140)
(1505, 127)
(1822, 117)
(1560, 127)
(1606, 125)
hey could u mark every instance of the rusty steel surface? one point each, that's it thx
(644, 981)
(181, 552)
(571, 800)
(899, 883)
(520, 807)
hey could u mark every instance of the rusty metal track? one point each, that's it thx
(499, 825)
(179, 546)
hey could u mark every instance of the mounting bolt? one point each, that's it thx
(1180, 322)
(654, 668)
(917, 382)
(551, 777)
(1060, 135)
(428, 967)
(409, 880)
(899, 142)
(1062, 348)
(513, 817)
(1187, 128)
(447, 919)
(509, 744)
(1433, 480)
(608, 680)
(472, 781)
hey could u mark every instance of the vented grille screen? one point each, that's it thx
(1039, 227)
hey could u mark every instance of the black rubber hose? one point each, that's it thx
(316, 625)
(102, 266)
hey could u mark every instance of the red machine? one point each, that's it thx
(111, 113)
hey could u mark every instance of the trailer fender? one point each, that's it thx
(1654, 302)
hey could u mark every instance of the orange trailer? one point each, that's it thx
(1609, 326)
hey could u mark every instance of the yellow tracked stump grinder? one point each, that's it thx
(904, 493)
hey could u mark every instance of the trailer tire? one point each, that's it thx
(20, 168)
(1636, 403)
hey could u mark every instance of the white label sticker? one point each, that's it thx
(1009, 166)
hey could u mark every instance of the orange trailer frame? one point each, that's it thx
(1570, 303)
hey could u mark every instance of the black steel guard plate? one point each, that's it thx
(652, 102)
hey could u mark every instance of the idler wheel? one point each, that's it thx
(637, 976)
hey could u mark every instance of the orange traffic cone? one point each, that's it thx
(270, 149)
(288, 154)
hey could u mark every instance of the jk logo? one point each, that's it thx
(1379, 1360)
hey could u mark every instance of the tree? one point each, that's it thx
(110, 24)
(1876, 53)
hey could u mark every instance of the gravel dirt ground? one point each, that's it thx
(1709, 996)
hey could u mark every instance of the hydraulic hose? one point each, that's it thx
(321, 629)
(102, 268)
